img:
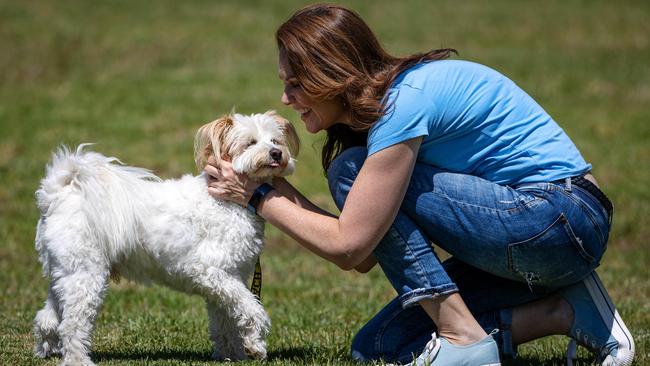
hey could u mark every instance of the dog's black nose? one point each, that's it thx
(276, 154)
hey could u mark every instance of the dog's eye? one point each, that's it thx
(275, 142)
(252, 142)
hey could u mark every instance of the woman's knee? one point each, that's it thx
(343, 171)
(362, 348)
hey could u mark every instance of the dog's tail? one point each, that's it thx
(106, 192)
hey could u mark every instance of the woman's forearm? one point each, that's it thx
(291, 193)
(314, 229)
(370, 208)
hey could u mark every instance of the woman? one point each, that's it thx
(423, 149)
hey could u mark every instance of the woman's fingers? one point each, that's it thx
(219, 169)
(212, 171)
(217, 192)
(226, 184)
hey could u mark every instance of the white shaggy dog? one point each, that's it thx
(99, 218)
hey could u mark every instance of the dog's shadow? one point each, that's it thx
(290, 353)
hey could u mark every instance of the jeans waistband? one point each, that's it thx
(592, 189)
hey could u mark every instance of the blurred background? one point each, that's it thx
(139, 77)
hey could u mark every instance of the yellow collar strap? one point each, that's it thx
(256, 286)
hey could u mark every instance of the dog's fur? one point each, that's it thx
(100, 218)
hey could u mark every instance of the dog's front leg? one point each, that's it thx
(248, 322)
(228, 344)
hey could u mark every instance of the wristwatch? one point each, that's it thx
(257, 197)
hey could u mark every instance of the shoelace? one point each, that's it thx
(431, 349)
(572, 353)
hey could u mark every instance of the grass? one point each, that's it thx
(138, 78)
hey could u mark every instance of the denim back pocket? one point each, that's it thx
(554, 257)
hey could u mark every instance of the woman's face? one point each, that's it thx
(317, 115)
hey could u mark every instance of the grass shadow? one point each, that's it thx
(148, 355)
(283, 354)
(295, 353)
(535, 361)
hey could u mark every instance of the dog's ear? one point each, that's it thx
(210, 141)
(293, 142)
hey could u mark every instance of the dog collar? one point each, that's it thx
(257, 197)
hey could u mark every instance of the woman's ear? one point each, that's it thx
(212, 140)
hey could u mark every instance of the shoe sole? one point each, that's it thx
(609, 314)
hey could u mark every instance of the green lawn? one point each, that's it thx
(138, 78)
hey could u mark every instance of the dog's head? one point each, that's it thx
(259, 145)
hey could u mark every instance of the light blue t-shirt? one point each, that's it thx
(475, 121)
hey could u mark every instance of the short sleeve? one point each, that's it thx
(409, 115)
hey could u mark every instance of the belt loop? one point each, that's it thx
(568, 184)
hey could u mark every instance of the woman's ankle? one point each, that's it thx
(453, 319)
(462, 336)
(548, 316)
(561, 313)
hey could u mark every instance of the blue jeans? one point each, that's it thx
(509, 246)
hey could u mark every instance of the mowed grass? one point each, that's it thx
(138, 78)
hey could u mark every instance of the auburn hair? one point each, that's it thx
(333, 53)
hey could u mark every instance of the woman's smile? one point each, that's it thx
(317, 115)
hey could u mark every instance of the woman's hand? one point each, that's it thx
(225, 184)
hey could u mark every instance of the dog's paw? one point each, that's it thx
(228, 355)
(70, 360)
(46, 349)
(256, 331)
(256, 350)
(217, 356)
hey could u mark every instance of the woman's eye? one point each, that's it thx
(293, 84)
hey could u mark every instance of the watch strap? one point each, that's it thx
(257, 197)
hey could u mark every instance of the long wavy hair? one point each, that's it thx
(333, 53)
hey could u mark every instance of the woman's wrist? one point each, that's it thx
(258, 196)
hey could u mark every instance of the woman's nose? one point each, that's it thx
(285, 99)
